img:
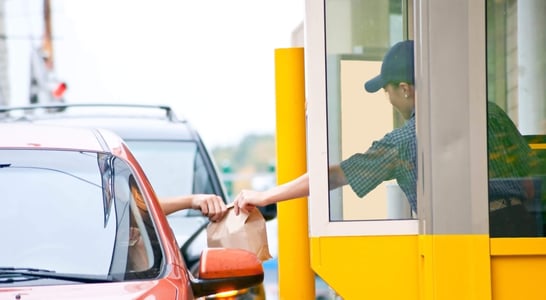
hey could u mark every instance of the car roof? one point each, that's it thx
(32, 136)
(130, 121)
(130, 128)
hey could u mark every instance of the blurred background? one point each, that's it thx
(212, 61)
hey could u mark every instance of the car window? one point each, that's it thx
(143, 248)
(72, 212)
(174, 168)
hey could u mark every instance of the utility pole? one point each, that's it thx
(47, 40)
(45, 87)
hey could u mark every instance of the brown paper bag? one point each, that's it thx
(243, 231)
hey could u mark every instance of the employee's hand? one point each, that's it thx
(247, 200)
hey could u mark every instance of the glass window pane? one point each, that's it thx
(358, 35)
(170, 166)
(174, 168)
(71, 217)
(138, 245)
(54, 199)
(516, 72)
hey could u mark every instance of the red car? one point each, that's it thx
(80, 220)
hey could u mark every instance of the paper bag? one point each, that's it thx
(245, 231)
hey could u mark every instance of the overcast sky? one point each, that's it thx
(213, 61)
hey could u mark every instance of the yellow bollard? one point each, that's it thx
(296, 278)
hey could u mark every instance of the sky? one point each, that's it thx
(212, 61)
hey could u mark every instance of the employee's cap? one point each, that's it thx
(397, 66)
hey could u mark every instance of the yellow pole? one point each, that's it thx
(296, 278)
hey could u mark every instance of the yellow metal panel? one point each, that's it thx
(518, 246)
(296, 279)
(518, 267)
(454, 267)
(518, 277)
(368, 267)
(537, 146)
(439, 267)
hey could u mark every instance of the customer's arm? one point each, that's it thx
(210, 205)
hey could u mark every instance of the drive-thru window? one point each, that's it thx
(474, 61)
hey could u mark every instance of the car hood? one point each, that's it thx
(157, 289)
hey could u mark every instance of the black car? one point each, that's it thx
(169, 149)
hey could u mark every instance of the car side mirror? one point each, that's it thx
(223, 270)
(269, 211)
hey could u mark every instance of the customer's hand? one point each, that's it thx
(210, 205)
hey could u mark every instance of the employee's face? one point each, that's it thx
(395, 95)
(400, 98)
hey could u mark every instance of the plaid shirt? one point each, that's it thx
(395, 157)
(510, 156)
(392, 157)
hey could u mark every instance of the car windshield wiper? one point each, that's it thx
(9, 272)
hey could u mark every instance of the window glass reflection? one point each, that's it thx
(370, 166)
(516, 71)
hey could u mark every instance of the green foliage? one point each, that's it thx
(254, 152)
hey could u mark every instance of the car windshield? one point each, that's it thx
(73, 212)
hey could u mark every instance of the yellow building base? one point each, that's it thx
(425, 267)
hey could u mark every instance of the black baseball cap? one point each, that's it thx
(397, 66)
